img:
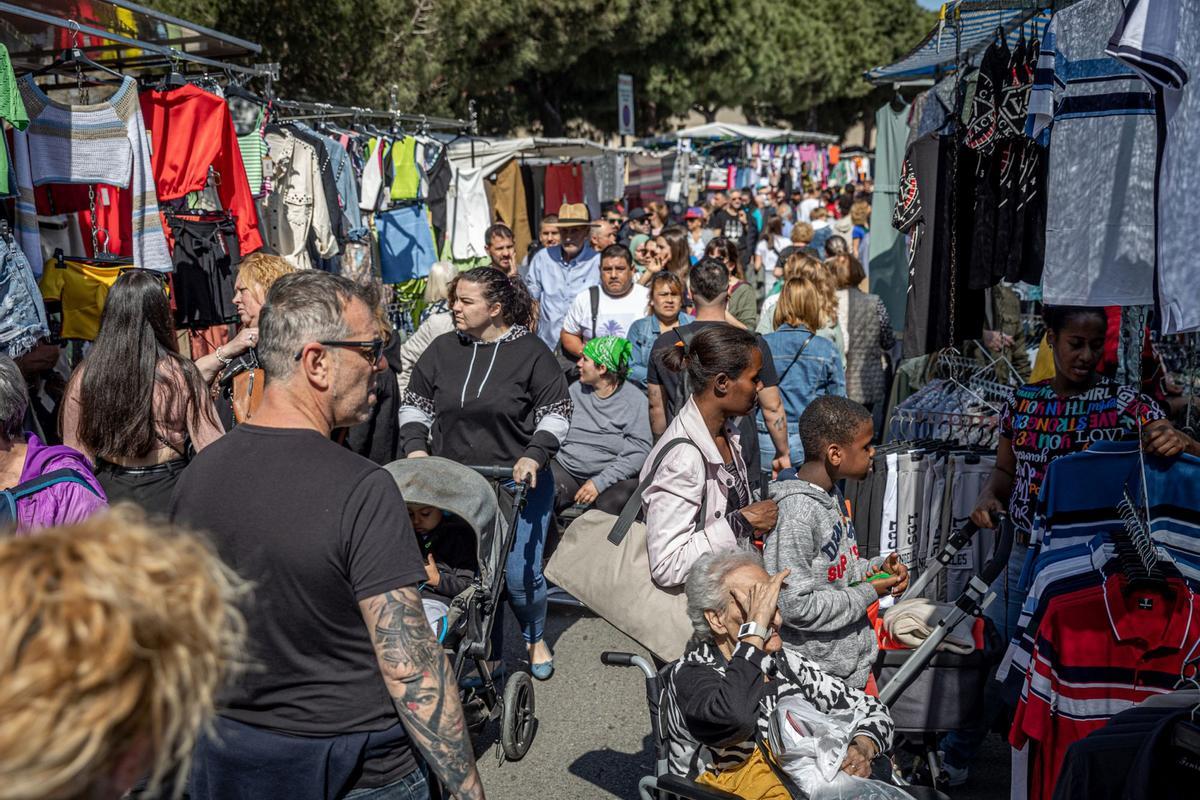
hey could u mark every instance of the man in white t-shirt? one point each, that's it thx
(617, 304)
(810, 201)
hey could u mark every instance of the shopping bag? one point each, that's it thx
(603, 562)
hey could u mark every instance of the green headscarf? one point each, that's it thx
(611, 352)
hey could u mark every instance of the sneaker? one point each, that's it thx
(955, 776)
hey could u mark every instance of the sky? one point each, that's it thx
(933, 5)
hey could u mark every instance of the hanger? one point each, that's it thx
(76, 58)
(174, 79)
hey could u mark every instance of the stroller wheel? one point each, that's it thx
(517, 722)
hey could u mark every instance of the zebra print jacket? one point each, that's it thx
(712, 709)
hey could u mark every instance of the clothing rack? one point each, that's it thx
(309, 110)
(162, 55)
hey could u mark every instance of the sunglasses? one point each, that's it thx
(371, 350)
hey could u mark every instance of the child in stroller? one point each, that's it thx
(448, 545)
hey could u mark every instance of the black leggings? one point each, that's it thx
(610, 501)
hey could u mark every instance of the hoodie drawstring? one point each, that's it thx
(462, 399)
(487, 374)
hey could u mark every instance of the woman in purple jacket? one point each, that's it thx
(69, 496)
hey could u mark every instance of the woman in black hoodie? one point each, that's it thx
(491, 393)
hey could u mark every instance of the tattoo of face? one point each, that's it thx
(423, 689)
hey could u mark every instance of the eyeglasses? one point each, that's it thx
(371, 350)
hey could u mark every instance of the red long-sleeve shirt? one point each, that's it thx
(191, 130)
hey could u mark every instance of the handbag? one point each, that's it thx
(603, 562)
(247, 393)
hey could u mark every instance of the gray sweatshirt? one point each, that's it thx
(824, 617)
(609, 438)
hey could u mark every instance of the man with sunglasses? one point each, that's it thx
(325, 537)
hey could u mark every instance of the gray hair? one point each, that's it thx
(705, 587)
(303, 307)
(438, 285)
(14, 397)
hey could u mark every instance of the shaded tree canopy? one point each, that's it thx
(551, 65)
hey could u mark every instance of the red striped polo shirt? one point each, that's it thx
(1098, 651)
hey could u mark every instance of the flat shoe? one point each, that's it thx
(542, 671)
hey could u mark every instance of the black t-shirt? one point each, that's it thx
(316, 528)
(670, 381)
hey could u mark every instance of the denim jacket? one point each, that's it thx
(642, 335)
(818, 371)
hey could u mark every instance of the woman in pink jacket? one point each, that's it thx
(700, 499)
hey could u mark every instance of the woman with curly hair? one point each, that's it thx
(116, 636)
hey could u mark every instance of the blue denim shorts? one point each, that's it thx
(22, 313)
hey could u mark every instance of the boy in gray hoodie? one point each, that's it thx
(824, 601)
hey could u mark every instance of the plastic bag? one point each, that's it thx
(811, 745)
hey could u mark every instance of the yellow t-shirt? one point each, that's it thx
(82, 289)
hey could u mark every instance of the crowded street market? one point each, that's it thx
(798, 463)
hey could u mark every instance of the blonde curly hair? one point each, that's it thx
(260, 270)
(117, 632)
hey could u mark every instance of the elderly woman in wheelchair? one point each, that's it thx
(719, 698)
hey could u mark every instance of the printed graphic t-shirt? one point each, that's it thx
(1042, 425)
(614, 315)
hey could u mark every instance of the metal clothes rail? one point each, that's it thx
(310, 110)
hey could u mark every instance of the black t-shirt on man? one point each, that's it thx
(316, 528)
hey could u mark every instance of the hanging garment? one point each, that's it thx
(468, 215)
(347, 188)
(510, 207)
(206, 256)
(406, 249)
(296, 207)
(1103, 152)
(439, 187)
(564, 184)
(372, 176)
(192, 141)
(406, 178)
(82, 289)
(105, 142)
(23, 321)
(1161, 40)
(12, 111)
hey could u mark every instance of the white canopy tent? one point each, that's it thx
(753, 133)
(491, 154)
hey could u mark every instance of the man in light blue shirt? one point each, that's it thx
(558, 274)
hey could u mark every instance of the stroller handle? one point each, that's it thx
(495, 473)
(617, 659)
(999, 560)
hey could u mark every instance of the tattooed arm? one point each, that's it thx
(421, 684)
(770, 400)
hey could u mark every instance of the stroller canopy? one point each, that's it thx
(460, 490)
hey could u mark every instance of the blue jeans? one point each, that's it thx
(960, 746)
(412, 786)
(523, 571)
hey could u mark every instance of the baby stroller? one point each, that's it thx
(468, 493)
(917, 698)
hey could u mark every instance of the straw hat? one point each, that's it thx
(572, 215)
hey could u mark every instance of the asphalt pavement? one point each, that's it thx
(593, 740)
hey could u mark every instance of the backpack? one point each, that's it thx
(9, 497)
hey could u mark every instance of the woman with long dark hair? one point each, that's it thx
(489, 393)
(135, 406)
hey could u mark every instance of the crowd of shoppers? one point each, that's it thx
(743, 325)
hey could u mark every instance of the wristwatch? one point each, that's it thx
(749, 629)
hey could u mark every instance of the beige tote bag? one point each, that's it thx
(603, 562)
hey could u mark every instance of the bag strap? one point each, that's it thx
(594, 292)
(44, 481)
(634, 504)
(796, 357)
